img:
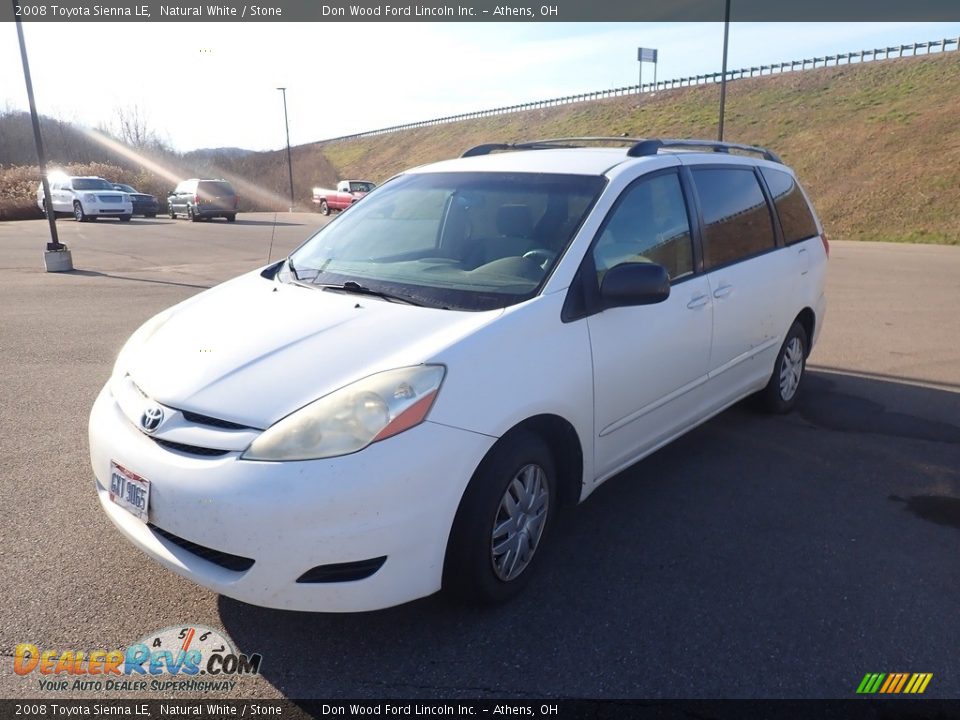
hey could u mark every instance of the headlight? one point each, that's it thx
(90, 197)
(349, 419)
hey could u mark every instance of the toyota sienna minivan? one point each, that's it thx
(406, 401)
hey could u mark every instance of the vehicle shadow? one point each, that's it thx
(750, 543)
(240, 221)
(95, 273)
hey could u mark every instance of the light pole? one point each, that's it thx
(57, 258)
(723, 73)
(286, 122)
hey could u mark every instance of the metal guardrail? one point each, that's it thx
(847, 58)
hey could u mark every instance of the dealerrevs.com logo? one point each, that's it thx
(193, 658)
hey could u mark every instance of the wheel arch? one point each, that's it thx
(808, 319)
(564, 442)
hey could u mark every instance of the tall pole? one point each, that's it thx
(286, 122)
(723, 75)
(54, 244)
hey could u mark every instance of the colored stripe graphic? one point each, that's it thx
(894, 683)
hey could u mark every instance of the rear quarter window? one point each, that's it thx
(736, 218)
(796, 217)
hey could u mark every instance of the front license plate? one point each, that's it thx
(129, 491)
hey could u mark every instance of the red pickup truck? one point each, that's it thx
(346, 194)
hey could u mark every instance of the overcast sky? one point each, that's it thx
(213, 85)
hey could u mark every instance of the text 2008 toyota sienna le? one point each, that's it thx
(404, 403)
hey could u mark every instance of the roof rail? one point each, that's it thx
(568, 142)
(644, 148)
(639, 147)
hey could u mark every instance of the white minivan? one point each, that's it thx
(404, 403)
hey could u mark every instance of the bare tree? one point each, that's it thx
(134, 128)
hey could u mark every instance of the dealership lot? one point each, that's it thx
(781, 557)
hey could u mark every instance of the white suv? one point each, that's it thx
(86, 198)
(405, 401)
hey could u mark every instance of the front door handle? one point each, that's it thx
(698, 302)
(723, 291)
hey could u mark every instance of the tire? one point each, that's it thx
(232, 217)
(324, 208)
(173, 213)
(782, 390)
(125, 218)
(519, 472)
(78, 214)
(150, 215)
(191, 214)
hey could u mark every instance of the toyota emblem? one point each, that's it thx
(151, 418)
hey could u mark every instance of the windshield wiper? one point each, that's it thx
(355, 288)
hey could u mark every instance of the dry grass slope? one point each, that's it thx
(877, 145)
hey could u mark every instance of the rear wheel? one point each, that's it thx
(125, 218)
(173, 213)
(150, 215)
(324, 208)
(78, 214)
(232, 217)
(191, 213)
(781, 393)
(502, 521)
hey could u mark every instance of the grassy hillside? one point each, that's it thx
(877, 145)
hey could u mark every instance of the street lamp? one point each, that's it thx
(57, 257)
(286, 122)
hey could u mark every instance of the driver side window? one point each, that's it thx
(648, 224)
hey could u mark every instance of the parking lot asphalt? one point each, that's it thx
(754, 557)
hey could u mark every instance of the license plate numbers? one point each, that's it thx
(129, 491)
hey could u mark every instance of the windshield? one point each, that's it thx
(361, 186)
(124, 188)
(91, 184)
(471, 241)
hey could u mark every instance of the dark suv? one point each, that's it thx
(204, 199)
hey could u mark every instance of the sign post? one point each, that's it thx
(646, 55)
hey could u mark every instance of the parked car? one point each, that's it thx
(86, 198)
(404, 403)
(347, 193)
(204, 199)
(143, 204)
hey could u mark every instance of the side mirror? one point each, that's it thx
(631, 284)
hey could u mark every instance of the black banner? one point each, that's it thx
(49, 709)
(478, 11)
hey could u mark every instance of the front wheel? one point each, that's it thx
(173, 213)
(502, 522)
(781, 393)
(324, 208)
(78, 214)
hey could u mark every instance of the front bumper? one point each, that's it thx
(397, 498)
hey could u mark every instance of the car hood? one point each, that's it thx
(142, 197)
(253, 350)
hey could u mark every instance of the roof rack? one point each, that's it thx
(639, 147)
(551, 143)
(652, 146)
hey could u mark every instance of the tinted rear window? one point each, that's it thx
(796, 218)
(736, 216)
(216, 188)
